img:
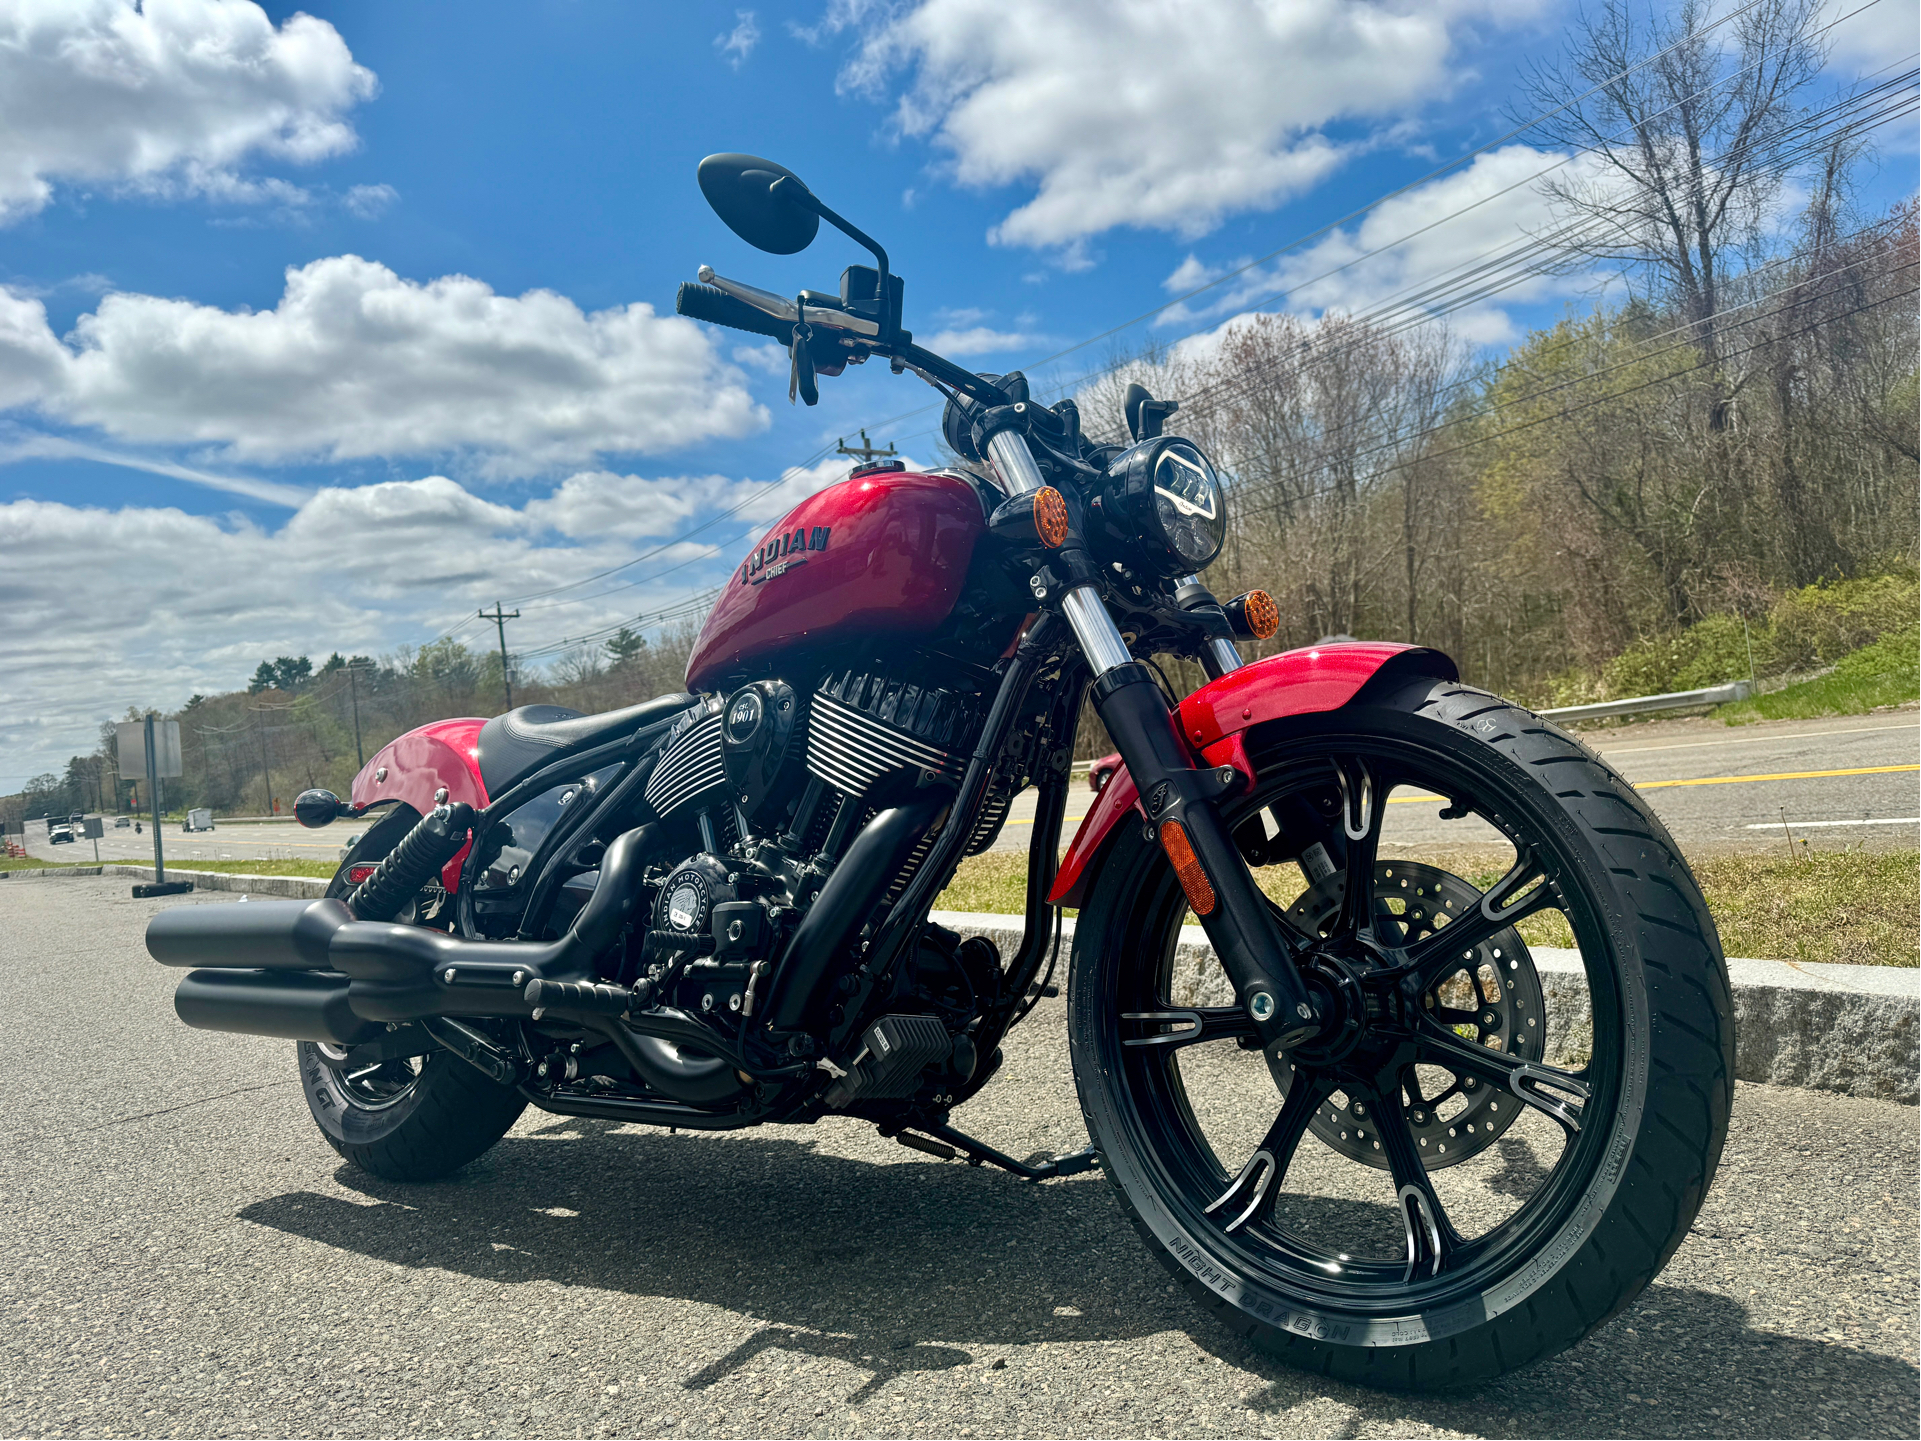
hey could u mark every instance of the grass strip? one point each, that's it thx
(1886, 673)
(1858, 907)
(322, 870)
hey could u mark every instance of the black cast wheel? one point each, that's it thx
(403, 1118)
(1483, 1154)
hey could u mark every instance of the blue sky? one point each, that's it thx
(319, 330)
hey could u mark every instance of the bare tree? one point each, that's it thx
(1690, 149)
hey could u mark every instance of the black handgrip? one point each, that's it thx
(703, 302)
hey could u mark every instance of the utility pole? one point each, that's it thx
(265, 773)
(153, 794)
(866, 450)
(500, 619)
(353, 687)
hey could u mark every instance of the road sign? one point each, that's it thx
(92, 828)
(133, 749)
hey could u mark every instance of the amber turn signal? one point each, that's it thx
(1040, 515)
(1254, 614)
(1050, 517)
(1187, 865)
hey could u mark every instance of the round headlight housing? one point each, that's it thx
(1163, 502)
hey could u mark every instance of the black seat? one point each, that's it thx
(514, 745)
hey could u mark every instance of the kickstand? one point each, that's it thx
(961, 1144)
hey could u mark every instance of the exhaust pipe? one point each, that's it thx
(294, 1005)
(308, 971)
(384, 971)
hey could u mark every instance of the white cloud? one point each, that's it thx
(1158, 114)
(737, 44)
(1871, 37)
(357, 362)
(1482, 211)
(217, 594)
(370, 202)
(980, 340)
(168, 96)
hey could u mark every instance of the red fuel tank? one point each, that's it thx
(881, 554)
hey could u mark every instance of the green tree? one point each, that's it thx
(626, 649)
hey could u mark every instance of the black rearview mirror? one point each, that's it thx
(740, 188)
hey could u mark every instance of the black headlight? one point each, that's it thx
(1162, 501)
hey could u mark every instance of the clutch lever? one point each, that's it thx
(782, 308)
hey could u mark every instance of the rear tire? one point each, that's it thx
(408, 1119)
(1653, 1094)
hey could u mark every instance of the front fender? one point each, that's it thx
(1213, 718)
(412, 767)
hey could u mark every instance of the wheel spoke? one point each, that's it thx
(1452, 946)
(1198, 1023)
(1250, 1195)
(1362, 812)
(1527, 1081)
(1431, 1237)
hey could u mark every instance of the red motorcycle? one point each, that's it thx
(711, 910)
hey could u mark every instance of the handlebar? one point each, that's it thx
(703, 302)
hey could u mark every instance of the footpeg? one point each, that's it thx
(894, 1052)
(585, 998)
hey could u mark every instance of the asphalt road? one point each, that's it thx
(264, 840)
(1717, 787)
(1877, 805)
(187, 1257)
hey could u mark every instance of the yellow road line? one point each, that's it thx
(1778, 776)
(1711, 781)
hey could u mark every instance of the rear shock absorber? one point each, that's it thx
(419, 857)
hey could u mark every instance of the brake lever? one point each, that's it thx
(781, 308)
(800, 369)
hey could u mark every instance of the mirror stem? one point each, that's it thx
(790, 189)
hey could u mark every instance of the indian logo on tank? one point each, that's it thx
(783, 553)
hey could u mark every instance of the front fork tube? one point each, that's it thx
(1231, 907)
(1182, 806)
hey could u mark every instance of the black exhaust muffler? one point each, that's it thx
(252, 954)
(293, 1005)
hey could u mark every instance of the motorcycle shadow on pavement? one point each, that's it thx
(901, 1267)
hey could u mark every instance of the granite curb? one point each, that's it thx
(294, 887)
(1847, 1028)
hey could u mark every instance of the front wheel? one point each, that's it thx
(402, 1118)
(1484, 1154)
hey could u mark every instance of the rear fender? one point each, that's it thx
(413, 767)
(1215, 719)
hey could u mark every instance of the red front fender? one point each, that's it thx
(1295, 682)
(412, 767)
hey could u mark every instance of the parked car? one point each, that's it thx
(120, 823)
(58, 831)
(1102, 772)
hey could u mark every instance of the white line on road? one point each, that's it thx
(1810, 825)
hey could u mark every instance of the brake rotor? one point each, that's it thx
(1492, 998)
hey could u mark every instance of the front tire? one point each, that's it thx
(1372, 1258)
(407, 1118)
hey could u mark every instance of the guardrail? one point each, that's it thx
(1642, 704)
